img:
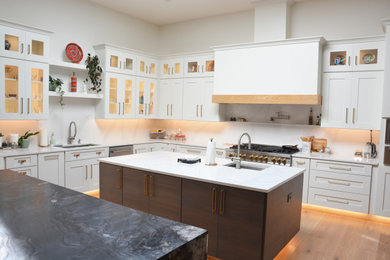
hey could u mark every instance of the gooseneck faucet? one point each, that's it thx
(237, 159)
(71, 137)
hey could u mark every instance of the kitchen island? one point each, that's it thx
(249, 213)
(39, 220)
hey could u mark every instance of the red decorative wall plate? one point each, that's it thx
(74, 52)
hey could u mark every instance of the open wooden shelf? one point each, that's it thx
(68, 65)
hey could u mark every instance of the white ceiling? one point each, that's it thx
(172, 11)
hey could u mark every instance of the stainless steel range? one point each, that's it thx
(272, 154)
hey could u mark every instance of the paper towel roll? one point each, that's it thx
(211, 152)
(43, 139)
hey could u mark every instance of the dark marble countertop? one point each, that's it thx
(39, 220)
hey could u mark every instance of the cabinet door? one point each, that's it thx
(367, 100)
(192, 98)
(113, 96)
(152, 98)
(303, 163)
(199, 208)
(165, 196)
(171, 98)
(111, 183)
(142, 148)
(51, 168)
(165, 99)
(369, 56)
(93, 174)
(338, 58)
(209, 111)
(12, 86)
(240, 224)
(208, 64)
(142, 96)
(128, 63)
(128, 104)
(36, 92)
(171, 68)
(37, 47)
(12, 42)
(336, 111)
(136, 189)
(114, 61)
(76, 175)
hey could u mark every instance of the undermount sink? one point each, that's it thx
(247, 166)
(75, 145)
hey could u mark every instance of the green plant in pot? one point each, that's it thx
(56, 85)
(94, 72)
(23, 140)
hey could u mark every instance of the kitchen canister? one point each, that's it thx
(211, 153)
(43, 138)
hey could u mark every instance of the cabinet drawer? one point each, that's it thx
(21, 161)
(86, 154)
(340, 182)
(305, 164)
(339, 167)
(191, 150)
(339, 200)
(28, 171)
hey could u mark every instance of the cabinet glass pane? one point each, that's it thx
(114, 61)
(368, 56)
(141, 97)
(177, 68)
(128, 96)
(166, 69)
(36, 91)
(113, 95)
(129, 64)
(152, 68)
(142, 66)
(11, 43)
(209, 66)
(338, 58)
(11, 90)
(193, 66)
(37, 47)
(151, 108)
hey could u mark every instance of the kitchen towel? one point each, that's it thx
(211, 152)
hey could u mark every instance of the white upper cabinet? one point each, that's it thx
(352, 100)
(23, 44)
(198, 66)
(171, 68)
(147, 67)
(197, 100)
(119, 97)
(23, 89)
(117, 60)
(364, 56)
(146, 97)
(171, 99)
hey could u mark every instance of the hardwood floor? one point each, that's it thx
(335, 235)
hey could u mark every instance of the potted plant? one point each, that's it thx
(23, 140)
(56, 85)
(94, 72)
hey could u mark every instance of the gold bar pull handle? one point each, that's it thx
(146, 185)
(340, 168)
(349, 60)
(214, 200)
(21, 102)
(119, 178)
(28, 47)
(356, 60)
(22, 48)
(346, 115)
(91, 171)
(151, 186)
(222, 203)
(353, 115)
(86, 172)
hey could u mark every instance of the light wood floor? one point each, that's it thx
(333, 235)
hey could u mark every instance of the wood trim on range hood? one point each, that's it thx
(269, 99)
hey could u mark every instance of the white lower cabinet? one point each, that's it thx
(340, 185)
(51, 168)
(303, 163)
(24, 164)
(142, 148)
(2, 164)
(28, 171)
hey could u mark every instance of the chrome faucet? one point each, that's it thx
(71, 137)
(237, 159)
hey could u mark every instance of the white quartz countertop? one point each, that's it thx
(39, 150)
(337, 158)
(166, 163)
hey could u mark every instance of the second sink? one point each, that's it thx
(247, 166)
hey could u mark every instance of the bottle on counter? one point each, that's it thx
(52, 140)
(318, 120)
(311, 116)
(74, 83)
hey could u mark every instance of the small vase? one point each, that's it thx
(25, 143)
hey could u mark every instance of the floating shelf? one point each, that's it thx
(77, 95)
(68, 65)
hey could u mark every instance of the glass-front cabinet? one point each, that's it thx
(199, 66)
(147, 67)
(16, 43)
(146, 97)
(172, 68)
(120, 61)
(23, 87)
(119, 96)
(363, 56)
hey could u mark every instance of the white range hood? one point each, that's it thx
(273, 70)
